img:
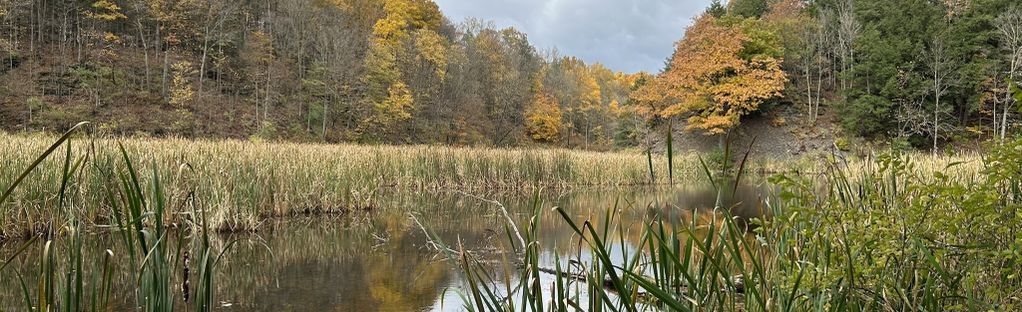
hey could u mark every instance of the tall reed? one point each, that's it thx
(240, 183)
(138, 213)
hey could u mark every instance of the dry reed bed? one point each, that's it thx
(239, 183)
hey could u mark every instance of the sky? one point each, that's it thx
(624, 35)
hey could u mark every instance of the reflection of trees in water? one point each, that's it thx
(677, 206)
(381, 265)
(380, 261)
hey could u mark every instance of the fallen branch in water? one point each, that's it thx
(737, 280)
(503, 210)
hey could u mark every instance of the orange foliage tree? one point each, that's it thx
(722, 70)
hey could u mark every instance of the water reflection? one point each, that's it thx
(381, 261)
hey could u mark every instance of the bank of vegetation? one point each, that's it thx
(888, 237)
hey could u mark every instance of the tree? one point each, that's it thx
(34, 104)
(848, 31)
(396, 106)
(431, 51)
(105, 10)
(172, 23)
(722, 70)
(258, 58)
(1009, 24)
(543, 118)
(716, 9)
(404, 21)
(806, 44)
(941, 64)
(884, 78)
(217, 15)
(747, 8)
(181, 89)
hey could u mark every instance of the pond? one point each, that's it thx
(382, 260)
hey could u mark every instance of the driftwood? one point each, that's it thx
(608, 284)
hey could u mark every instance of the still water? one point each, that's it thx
(382, 260)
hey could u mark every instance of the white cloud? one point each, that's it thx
(626, 35)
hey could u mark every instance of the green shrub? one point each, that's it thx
(843, 144)
(867, 115)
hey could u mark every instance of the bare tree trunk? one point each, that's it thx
(809, 91)
(79, 40)
(266, 101)
(160, 48)
(1009, 24)
(269, 34)
(1008, 105)
(166, 71)
(1009, 101)
(940, 64)
(258, 114)
(219, 82)
(62, 46)
(205, 45)
(202, 64)
(936, 120)
(145, 51)
(819, 90)
(326, 111)
(31, 29)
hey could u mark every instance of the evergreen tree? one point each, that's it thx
(746, 8)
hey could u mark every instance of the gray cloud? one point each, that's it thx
(625, 35)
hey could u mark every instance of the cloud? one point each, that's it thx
(625, 35)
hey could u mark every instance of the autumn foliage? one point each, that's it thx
(721, 71)
(543, 118)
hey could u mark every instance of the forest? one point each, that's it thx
(398, 71)
(344, 70)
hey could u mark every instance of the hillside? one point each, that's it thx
(371, 71)
(799, 76)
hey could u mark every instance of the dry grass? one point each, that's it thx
(240, 183)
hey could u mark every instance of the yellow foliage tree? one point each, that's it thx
(173, 18)
(592, 95)
(405, 22)
(397, 105)
(181, 92)
(713, 79)
(432, 48)
(543, 118)
(105, 10)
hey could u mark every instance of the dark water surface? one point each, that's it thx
(381, 261)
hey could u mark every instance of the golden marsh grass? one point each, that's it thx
(239, 183)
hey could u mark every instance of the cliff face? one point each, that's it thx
(778, 133)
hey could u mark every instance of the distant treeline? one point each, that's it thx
(391, 71)
(921, 72)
